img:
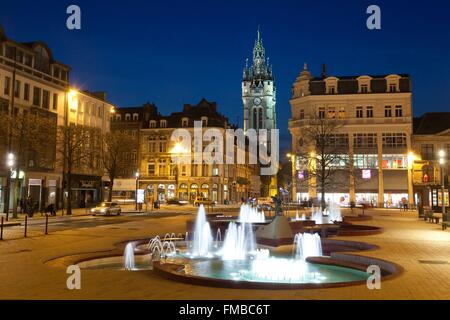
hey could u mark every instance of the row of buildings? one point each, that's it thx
(32, 81)
(152, 159)
(391, 156)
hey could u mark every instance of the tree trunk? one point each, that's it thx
(111, 184)
(69, 194)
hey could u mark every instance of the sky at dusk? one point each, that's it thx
(176, 52)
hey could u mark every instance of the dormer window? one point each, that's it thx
(331, 84)
(163, 123)
(185, 122)
(127, 117)
(393, 83)
(204, 121)
(135, 117)
(118, 117)
(364, 84)
(152, 124)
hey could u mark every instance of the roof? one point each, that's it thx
(403, 75)
(431, 123)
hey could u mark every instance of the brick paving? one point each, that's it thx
(26, 274)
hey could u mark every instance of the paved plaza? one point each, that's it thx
(35, 267)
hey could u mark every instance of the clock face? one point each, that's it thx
(257, 101)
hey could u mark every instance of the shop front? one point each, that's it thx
(85, 191)
(183, 194)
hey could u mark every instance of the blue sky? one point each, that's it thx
(175, 52)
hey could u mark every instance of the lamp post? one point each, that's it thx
(136, 190)
(411, 159)
(441, 163)
(10, 163)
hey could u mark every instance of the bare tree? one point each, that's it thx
(116, 151)
(31, 137)
(78, 147)
(326, 160)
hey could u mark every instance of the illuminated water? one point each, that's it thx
(202, 242)
(307, 245)
(128, 257)
(247, 213)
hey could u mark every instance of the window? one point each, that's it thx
(331, 112)
(135, 117)
(45, 99)
(28, 60)
(365, 140)
(36, 96)
(26, 92)
(359, 112)
(398, 111)
(152, 124)
(205, 170)
(184, 122)
(331, 90)
(7, 88)
(392, 87)
(338, 140)
(369, 112)
(394, 140)
(151, 144)
(364, 88)
(321, 113)
(342, 113)
(260, 119)
(163, 123)
(447, 150)
(162, 167)
(55, 101)
(17, 89)
(127, 117)
(365, 161)
(151, 168)
(118, 117)
(302, 114)
(162, 143)
(215, 171)
(394, 161)
(427, 151)
(133, 157)
(387, 111)
(204, 121)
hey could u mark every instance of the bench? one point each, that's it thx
(431, 217)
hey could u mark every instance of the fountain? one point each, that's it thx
(202, 240)
(250, 214)
(317, 216)
(128, 257)
(334, 212)
(298, 218)
(239, 242)
(307, 245)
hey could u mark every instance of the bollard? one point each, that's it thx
(46, 223)
(1, 230)
(26, 225)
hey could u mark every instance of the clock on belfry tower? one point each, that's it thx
(259, 92)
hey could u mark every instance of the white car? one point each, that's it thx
(107, 208)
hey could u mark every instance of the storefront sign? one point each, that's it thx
(140, 196)
(366, 174)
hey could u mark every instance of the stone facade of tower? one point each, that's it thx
(259, 91)
(259, 100)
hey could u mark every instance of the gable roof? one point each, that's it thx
(432, 123)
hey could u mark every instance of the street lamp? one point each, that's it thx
(441, 163)
(10, 163)
(136, 190)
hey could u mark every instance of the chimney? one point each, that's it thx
(324, 70)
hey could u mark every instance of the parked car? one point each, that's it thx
(202, 200)
(107, 208)
(174, 201)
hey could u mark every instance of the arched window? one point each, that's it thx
(152, 124)
(127, 117)
(205, 186)
(194, 186)
(255, 118)
(183, 186)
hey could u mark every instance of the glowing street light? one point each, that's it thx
(72, 99)
(10, 161)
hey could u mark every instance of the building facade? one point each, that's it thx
(33, 82)
(161, 177)
(431, 136)
(374, 117)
